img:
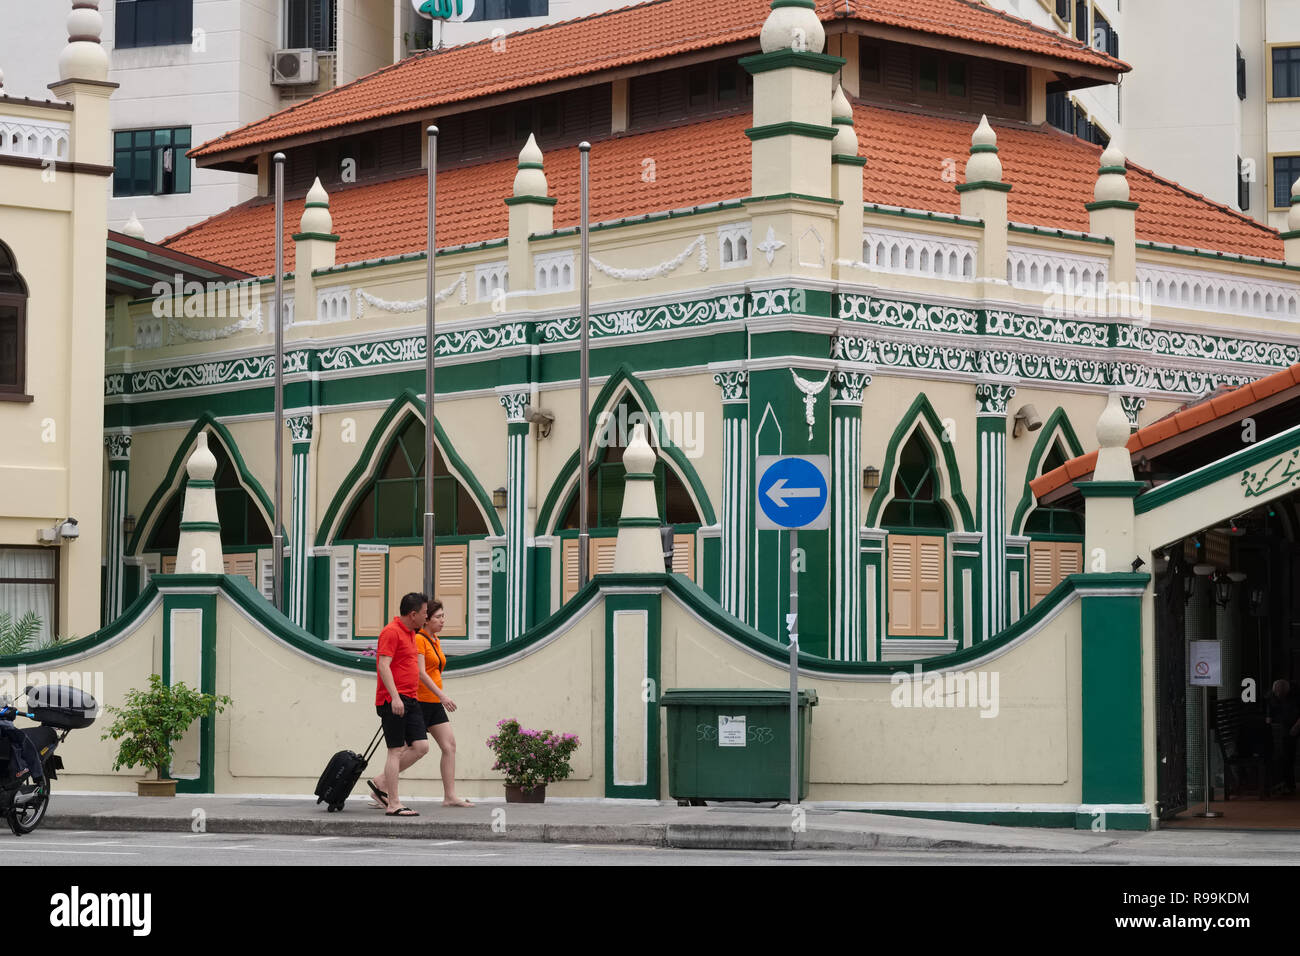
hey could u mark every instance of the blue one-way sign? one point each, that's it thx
(793, 492)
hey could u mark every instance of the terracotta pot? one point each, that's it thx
(517, 794)
(155, 788)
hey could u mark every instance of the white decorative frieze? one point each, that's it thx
(919, 254)
(553, 271)
(661, 270)
(20, 136)
(364, 299)
(489, 277)
(1034, 269)
(1216, 292)
(734, 242)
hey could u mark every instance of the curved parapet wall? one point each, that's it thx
(999, 732)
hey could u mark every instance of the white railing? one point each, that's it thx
(1034, 269)
(489, 277)
(733, 245)
(1190, 289)
(334, 305)
(919, 254)
(553, 271)
(22, 137)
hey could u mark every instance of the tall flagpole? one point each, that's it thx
(584, 370)
(277, 533)
(430, 570)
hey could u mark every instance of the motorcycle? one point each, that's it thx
(58, 710)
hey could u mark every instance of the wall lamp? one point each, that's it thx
(499, 498)
(1027, 419)
(870, 478)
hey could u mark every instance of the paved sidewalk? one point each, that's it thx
(586, 822)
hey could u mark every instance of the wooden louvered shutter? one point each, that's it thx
(169, 564)
(453, 587)
(1042, 570)
(241, 564)
(1069, 560)
(371, 606)
(902, 584)
(405, 574)
(602, 555)
(930, 597)
(684, 555)
(341, 598)
(569, 569)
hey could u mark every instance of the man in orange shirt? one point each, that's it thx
(396, 702)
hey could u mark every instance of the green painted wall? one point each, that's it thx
(1112, 697)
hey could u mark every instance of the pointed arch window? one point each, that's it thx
(392, 505)
(916, 502)
(13, 330)
(1056, 549)
(918, 520)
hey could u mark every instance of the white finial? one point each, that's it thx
(793, 25)
(316, 211)
(1293, 217)
(846, 137)
(840, 108)
(133, 228)
(984, 165)
(202, 464)
(639, 548)
(84, 58)
(639, 458)
(530, 180)
(1113, 460)
(1112, 181)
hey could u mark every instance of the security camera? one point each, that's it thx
(68, 529)
(539, 417)
(1026, 420)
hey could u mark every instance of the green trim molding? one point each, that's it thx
(983, 184)
(1293, 234)
(1110, 489)
(323, 236)
(843, 160)
(205, 604)
(1113, 170)
(1057, 421)
(983, 148)
(539, 200)
(790, 58)
(791, 128)
(200, 526)
(531, 166)
(1280, 444)
(775, 197)
(1110, 204)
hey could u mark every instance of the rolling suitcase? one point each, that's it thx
(342, 773)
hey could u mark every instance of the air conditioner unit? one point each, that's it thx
(293, 68)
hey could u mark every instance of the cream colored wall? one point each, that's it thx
(335, 456)
(365, 38)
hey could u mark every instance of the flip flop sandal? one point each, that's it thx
(401, 812)
(379, 794)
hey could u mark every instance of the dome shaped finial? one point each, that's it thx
(1293, 217)
(316, 211)
(530, 180)
(1112, 181)
(984, 165)
(793, 25)
(846, 137)
(133, 228)
(84, 58)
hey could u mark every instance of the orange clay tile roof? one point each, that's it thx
(1052, 177)
(1193, 416)
(619, 38)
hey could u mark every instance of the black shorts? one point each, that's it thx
(434, 713)
(403, 730)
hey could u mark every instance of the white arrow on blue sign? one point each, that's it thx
(793, 492)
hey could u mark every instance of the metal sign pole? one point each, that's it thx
(277, 534)
(584, 369)
(1205, 711)
(431, 247)
(794, 669)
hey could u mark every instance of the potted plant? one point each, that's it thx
(150, 722)
(531, 759)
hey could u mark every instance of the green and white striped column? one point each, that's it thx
(734, 571)
(516, 513)
(300, 428)
(991, 438)
(119, 462)
(846, 514)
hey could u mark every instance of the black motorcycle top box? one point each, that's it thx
(67, 708)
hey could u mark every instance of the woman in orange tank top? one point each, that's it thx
(435, 702)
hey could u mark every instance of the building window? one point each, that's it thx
(1013, 87)
(1060, 112)
(153, 22)
(151, 162)
(1104, 37)
(393, 506)
(509, 9)
(309, 24)
(1286, 170)
(1286, 72)
(928, 73)
(1241, 75)
(1050, 562)
(916, 555)
(13, 329)
(1243, 186)
(1081, 20)
(29, 584)
(242, 524)
(1063, 10)
(869, 61)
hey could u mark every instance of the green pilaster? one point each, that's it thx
(517, 578)
(734, 543)
(539, 596)
(991, 507)
(499, 565)
(206, 604)
(846, 514)
(872, 575)
(318, 588)
(119, 462)
(300, 428)
(642, 780)
(1111, 675)
(711, 566)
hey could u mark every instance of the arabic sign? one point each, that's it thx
(455, 11)
(1282, 473)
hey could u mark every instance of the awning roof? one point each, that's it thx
(136, 266)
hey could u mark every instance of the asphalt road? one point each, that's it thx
(80, 849)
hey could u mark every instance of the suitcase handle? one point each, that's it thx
(374, 744)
